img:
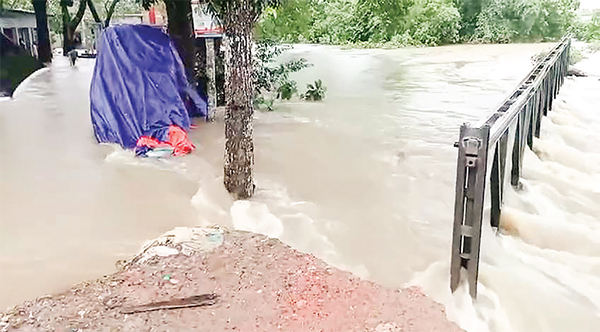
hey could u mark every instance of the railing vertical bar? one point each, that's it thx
(533, 98)
(530, 120)
(497, 180)
(517, 158)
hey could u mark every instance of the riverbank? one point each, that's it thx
(261, 284)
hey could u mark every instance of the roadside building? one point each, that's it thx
(19, 26)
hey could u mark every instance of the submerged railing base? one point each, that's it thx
(520, 113)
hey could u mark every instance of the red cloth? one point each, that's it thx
(178, 140)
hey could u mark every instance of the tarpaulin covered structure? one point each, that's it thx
(139, 90)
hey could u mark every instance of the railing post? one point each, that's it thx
(497, 180)
(532, 99)
(468, 208)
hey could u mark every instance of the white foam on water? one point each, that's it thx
(213, 203)
(273, 213)
(541, 274)
(255, 217)
(127, 157)
(542, 271)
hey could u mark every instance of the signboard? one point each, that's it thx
(204, 23)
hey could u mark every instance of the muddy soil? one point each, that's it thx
(261, 284)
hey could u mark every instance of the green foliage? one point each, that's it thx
(590, 31)
(271, 79)
(268, 76)
(222, 8)
(333, 23)
(393, 23)
(17, 4)
(503, 21)
(297, 14)
(15, 69)
(469, 12)
(379, 20)
(287, 90)
(575, 56)
(315, 92)
(264, 103)
(433, 22)
(55, 14)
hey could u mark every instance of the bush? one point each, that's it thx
(420, 22)
(503, 21)
(334, 22)
(590, 31)
(271, 77)
(433, 22)
(272, 81)
(315, 92)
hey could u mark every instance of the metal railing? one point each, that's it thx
(520, 113)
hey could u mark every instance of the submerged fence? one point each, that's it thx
(512, 126)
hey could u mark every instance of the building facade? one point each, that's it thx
(20, 27)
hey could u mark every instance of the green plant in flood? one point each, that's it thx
(315, 92)
(262, 103)
(271, 79)
(590, 31)
(287, 89)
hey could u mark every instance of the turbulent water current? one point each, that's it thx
(364, 180)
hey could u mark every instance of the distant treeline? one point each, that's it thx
(419, 22)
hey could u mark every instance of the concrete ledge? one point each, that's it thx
(262, 284)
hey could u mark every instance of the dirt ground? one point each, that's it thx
(261, 284)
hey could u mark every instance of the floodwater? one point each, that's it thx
(364, 180)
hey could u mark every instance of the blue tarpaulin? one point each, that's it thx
(139, 87)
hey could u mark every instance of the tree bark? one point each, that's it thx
(43, 35)
(180, 25)
(69, 25)
(66, 21)
(94, 12)
(239, 145)
(211, 84)
(109, 12)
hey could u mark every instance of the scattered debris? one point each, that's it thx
(184, 240)
(576, 72)
(187, 302)
(262, 285)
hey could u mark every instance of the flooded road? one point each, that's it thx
(364, 180)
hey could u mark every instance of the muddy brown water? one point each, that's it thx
(364, 180)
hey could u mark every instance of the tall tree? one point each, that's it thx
(469, 12)
(110, 10)
(239, 18)
(70, 24)
(181, 29)
(43, 34)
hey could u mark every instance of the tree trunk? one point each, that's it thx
(94, 12)
(43, 35)
(110, 11)
(211, 84)
(66, 22)
(69, 26)
(181, 30)
(239, 146)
